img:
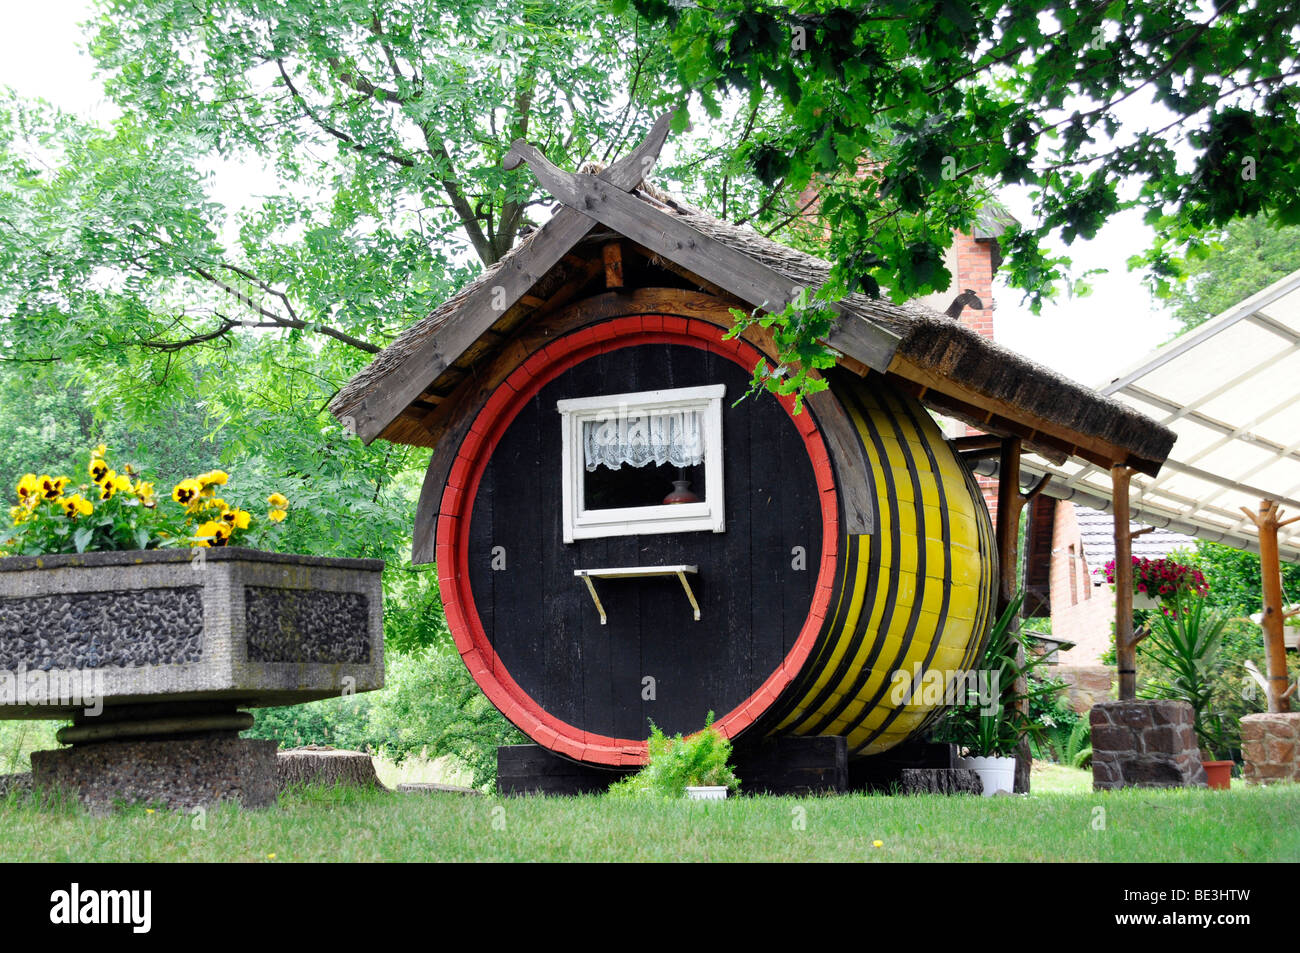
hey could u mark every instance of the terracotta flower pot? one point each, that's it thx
(1218, 774)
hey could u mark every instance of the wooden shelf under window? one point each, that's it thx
(637, 572)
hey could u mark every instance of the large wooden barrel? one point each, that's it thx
(851, 544)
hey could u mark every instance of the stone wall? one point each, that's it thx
(1270, 745)
(1087, 684)
(1147, 743)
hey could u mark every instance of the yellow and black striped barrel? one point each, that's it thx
(914, 596)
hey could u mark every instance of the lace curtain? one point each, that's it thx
(675, 437)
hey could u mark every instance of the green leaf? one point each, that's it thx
(81, 538)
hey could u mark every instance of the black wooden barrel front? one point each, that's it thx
(650, 661)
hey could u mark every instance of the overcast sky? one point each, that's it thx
(1090, 339)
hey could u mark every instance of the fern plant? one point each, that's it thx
(1078, 747)
(677, 763)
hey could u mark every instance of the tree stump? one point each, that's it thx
(326, 766)
(941, 781)
(420, 787)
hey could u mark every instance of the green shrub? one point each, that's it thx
(677, 763)
(1049, 708)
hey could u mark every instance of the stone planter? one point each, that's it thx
(147, 648)
(1144, 743)
(1270, 747)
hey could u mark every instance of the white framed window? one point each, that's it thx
(648, 462)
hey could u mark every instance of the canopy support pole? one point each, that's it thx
(1125, 644)
(1008, 534)
(1268, 521)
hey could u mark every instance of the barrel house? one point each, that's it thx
(620, 537)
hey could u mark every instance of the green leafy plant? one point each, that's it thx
(1185, 643)
(1064, 731)
(1078, 749)
(677, 763)
(1068, 744)
(996, 729)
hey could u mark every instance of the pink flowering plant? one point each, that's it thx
(1163, 578)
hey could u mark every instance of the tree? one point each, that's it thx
(1245, 257)
(376, 130)
(906, 114)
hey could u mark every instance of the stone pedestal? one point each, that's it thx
(1270, 746)
(1146, 743)
(176, 774)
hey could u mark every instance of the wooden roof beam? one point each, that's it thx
(724, 266)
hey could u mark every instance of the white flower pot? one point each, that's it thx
(997, 774)
(1142, 600)
(712, 792)
(1291, 637)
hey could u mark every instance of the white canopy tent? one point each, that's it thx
(1231, 391)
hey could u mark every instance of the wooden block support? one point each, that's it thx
(786, 766)
(795, 766)
(531, 769)
(884, 772)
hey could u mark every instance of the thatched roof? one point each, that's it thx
(959, 367)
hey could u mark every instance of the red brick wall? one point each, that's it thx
(1083, 613)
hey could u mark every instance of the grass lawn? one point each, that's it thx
(1061, 822)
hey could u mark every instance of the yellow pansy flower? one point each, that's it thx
(28, 488)
(276, 515)
(217, 477)
(100, 451)
(52, 487)
(238, 519)
(98, 470)
(278, 501)
(212, 533)
(186, 491)
(143, 490)
(76, 505)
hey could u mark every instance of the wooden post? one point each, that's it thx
(612, 253)
(1267, 522)
(1008, 521)
(1008, 534)
(1125, 646)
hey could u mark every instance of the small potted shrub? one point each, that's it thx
(696, 767)
(1184, 641)
(989, 736)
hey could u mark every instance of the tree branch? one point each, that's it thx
(404, 161)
